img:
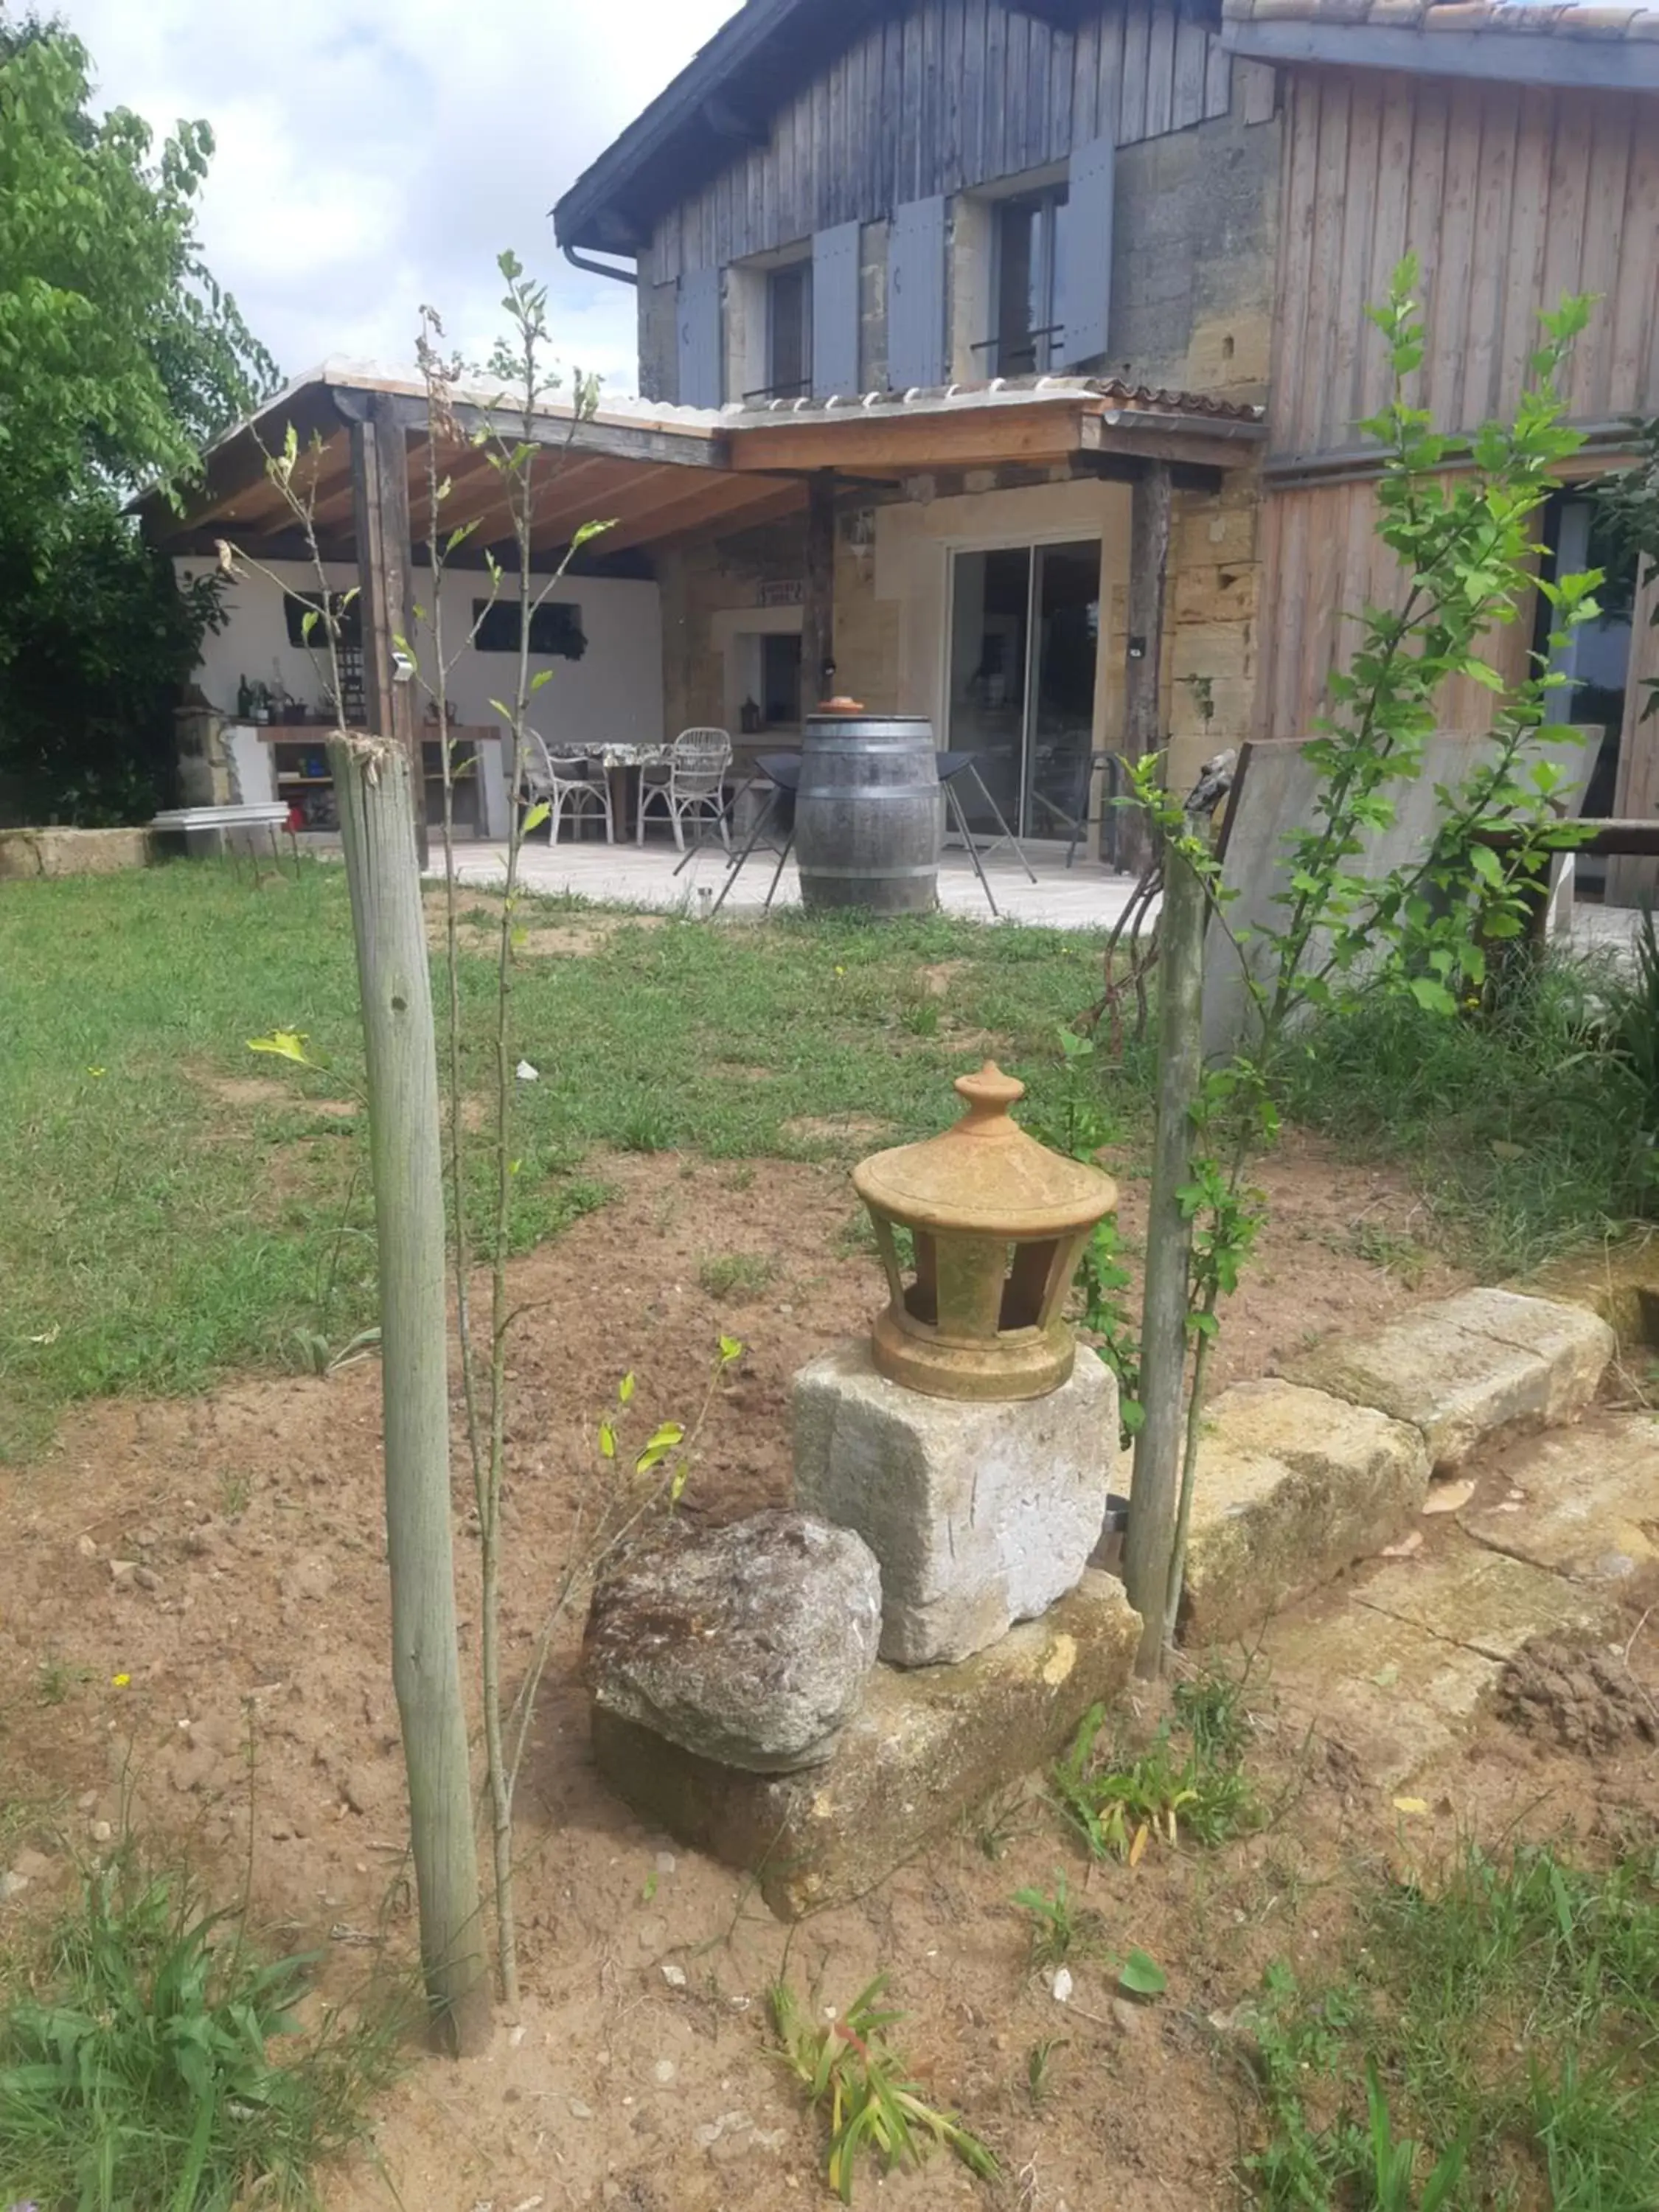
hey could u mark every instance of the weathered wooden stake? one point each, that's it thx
(817, 620)
(1156, 1487)
(1150, 500)
(380, 502)
(377, 821)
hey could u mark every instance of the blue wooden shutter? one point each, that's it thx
(836, 311)
(701, 384)
(1083, 285)
(915, 294)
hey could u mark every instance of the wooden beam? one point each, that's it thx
(909, 442)
(817, 620)
(380, 476)
(623, 441)
(913, 442)
(774, 506)
(1149, 561)
(1140, 437)
(236, 469)
(726, 500)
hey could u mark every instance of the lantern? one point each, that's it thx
(997, 1224)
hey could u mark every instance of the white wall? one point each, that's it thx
(614, 691)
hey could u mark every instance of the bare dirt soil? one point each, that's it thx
(225, 1556)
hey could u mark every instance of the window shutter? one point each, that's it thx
(699, 327)
(915, 294)
(836, 311)
(1083, 291)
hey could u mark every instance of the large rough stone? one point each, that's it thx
(1465, 1369)
(1591, 1508)
(751, 1644)
(1293, 1487)
(980, 1515)
(924, 1749)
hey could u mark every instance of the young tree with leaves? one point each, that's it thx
(1461, 516)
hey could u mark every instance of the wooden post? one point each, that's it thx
(817, 621)
(1155, 1489)
(1149, 560)
(372, 779)
(380, 491)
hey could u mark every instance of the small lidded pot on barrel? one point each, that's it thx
(996, 1224)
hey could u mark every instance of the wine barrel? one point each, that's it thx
(867, 814)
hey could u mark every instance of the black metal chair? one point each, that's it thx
(777, 817)
(1077, 819)
(963, 768)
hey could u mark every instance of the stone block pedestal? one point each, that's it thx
(925, 1748)
(980, 1515)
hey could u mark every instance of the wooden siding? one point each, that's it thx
(1321, 563)
(954, 93)
(1511, 195)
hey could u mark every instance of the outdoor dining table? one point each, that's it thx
(617, 758)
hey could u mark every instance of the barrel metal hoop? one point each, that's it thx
(867, 875)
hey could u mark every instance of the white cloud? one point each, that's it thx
(376, 154)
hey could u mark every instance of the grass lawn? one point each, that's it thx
(175, 1206)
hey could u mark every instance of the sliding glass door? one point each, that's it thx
(1024, 627)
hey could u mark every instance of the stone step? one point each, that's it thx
(1590, 1505)
(1293, 1487)
(1466, 1369)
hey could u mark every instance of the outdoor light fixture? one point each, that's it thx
(996, 1225)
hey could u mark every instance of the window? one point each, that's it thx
(556, 628)
(1026, 334)
(297, 605)
(789, 331)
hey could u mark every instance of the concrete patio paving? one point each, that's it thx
(1084, 896)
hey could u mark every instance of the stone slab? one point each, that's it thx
(1293, 1487)
(1592, 1507)
(34, 853)
(980, 1515)
(926, 1747)
(1391, 1693)
(1464, 1370)
(1482, 1599)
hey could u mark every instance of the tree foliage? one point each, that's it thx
(120, 358)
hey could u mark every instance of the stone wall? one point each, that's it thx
(1195, 229)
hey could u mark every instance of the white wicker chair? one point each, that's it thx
(695, 786)
(568, 779)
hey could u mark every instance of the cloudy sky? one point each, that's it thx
(373, 154)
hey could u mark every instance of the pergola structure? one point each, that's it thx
(664, 476)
